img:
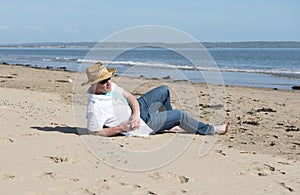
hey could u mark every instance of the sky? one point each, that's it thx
(26, 21)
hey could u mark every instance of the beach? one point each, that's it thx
(43, 153)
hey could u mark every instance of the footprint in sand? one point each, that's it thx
(7, 140)
(8, 177)
(48, 175)
(56, 159)
(169, 177)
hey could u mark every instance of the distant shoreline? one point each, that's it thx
(61, 68)
(243, 44)
(65, 69)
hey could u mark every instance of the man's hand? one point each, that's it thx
(135, 122)
(126, 126)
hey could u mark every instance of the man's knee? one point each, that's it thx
(163, 89)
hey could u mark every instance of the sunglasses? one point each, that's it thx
(104, 81)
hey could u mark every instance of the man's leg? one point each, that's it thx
(168, 119)
(156, 100)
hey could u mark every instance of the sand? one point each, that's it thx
(42, 152)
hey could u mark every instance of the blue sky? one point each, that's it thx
(92, 20)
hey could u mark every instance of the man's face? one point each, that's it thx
(102, 87)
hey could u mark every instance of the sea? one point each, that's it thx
(277, 68)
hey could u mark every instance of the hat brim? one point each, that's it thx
(111, 73)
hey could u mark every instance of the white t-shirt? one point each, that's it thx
(110, 110)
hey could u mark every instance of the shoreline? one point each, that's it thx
(41, 152)
(258, 85)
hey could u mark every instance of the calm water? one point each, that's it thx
(271, 68)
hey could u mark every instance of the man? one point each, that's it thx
(111, 110)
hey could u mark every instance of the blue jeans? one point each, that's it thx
(157, 112)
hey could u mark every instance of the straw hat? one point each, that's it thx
(97, 73)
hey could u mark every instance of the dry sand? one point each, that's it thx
(42, 153)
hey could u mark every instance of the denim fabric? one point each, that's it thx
(157, 112)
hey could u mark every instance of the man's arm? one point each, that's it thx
(106, 132)
(135, 107)
(111, 131)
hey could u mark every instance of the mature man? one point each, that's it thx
(111, 110)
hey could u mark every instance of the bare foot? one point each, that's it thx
(222, 129)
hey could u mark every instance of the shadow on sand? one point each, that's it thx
(63, 129)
